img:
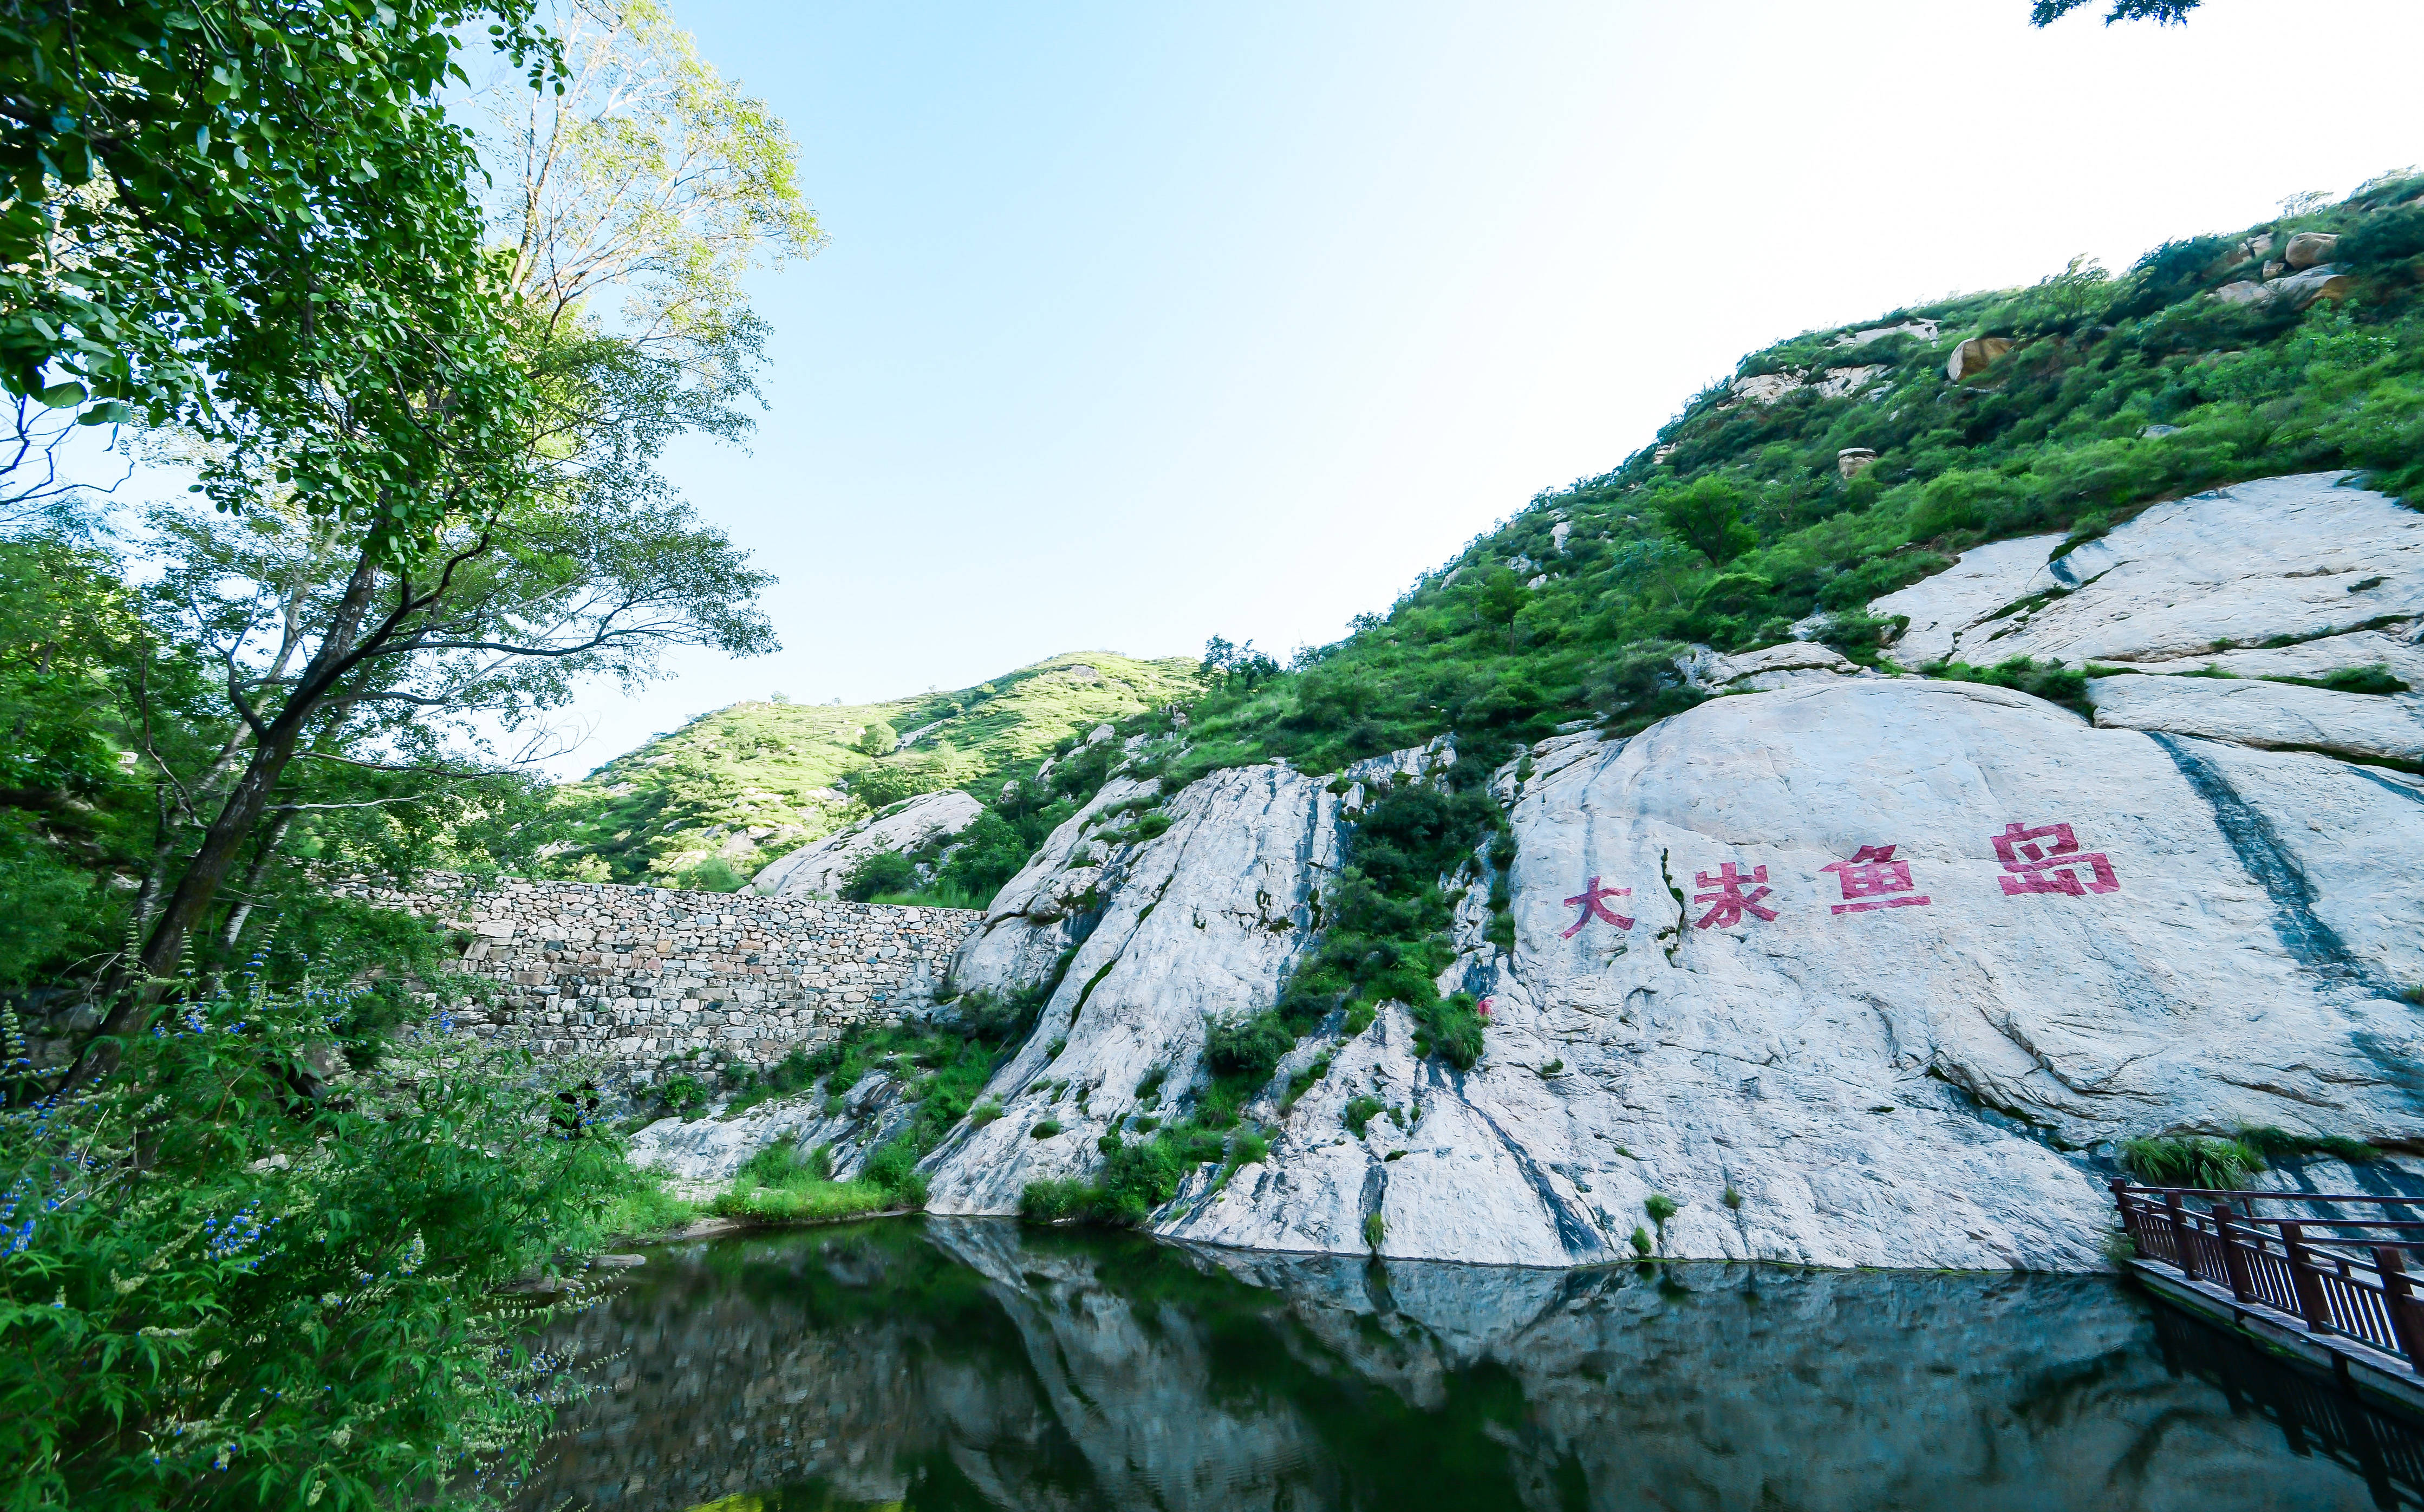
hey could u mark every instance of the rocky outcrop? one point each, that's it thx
(1853, 969)
(1978, 588)
(1849, 968)
(1975, 356)
(2308, 248)
(1197, 925)
(2279, 560)
(819, 870)
(2271, 716)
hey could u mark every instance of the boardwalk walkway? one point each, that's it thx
(2343, 1290)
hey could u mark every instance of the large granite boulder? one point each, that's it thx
(819, 870)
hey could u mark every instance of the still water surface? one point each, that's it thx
(947, 1365)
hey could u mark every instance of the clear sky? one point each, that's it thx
(1141, 323)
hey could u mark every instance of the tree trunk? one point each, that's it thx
(263, 854)
(137, 987)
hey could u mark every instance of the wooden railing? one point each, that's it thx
(2360, 1279)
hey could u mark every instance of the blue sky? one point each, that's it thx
(1142, 323)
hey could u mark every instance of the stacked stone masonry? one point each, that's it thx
(645, 981)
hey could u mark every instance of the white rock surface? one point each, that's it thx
(819, 870)
(2293, 558)
(2399, 652)
(1962, 596)
(706, 1153)
(1772, 666)
(1199, 924)
(1923, 330)
(1890, 1085)
(2268, 715)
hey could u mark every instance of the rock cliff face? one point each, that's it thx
(1854, 970)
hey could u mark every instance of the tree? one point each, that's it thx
(2161, 13)
(183, 176)
(1706, 516)
(520, 537)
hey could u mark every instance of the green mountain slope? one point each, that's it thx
(2187, 371)
(713, 802)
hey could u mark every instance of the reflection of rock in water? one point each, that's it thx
(972, 1363)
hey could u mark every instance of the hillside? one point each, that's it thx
(1851, 461)
(709, 803)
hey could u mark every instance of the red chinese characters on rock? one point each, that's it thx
(1730, 900)
(1874, 879)
(2037, 867)
(1591, 900)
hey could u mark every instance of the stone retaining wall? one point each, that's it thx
(649, 979)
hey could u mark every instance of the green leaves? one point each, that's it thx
(282, 1302)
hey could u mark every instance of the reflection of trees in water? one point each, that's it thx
(953, 1365)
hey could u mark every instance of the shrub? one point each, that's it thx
(1055, 1201)
(2052, 682)
(885, 871)
(1733, 1199)
(682, 1094)
(1044, 1129)
(1376, 1228)
(1706, 516)
(712, 875)
(2210, 1165)
(1249, 1048)
(1660, 1207)
(1361, 1110)
(1640, 1241)
(985, 1112)
(279, 1300)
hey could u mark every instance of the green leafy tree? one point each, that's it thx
(184, 178)
(2161, 13)
(1706, 515)
(523, 540)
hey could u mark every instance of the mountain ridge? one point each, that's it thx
(710, 802)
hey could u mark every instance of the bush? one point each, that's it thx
(712, 875)
(682, 1094)
(1056, 1202)
(2052, 682)
(1376, 1228)
(313, 1317)
(1361, 1111)
(2209, 1165)
(885, 871)
(1706, 515)
(1248, 1048)
(1044, 1129)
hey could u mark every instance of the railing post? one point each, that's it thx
(2183, 1242)
(2234, 1258)
(2303, 1279)
(2129, 1216)
(2406, 1310)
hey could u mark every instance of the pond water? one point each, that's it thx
(935, 1363)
